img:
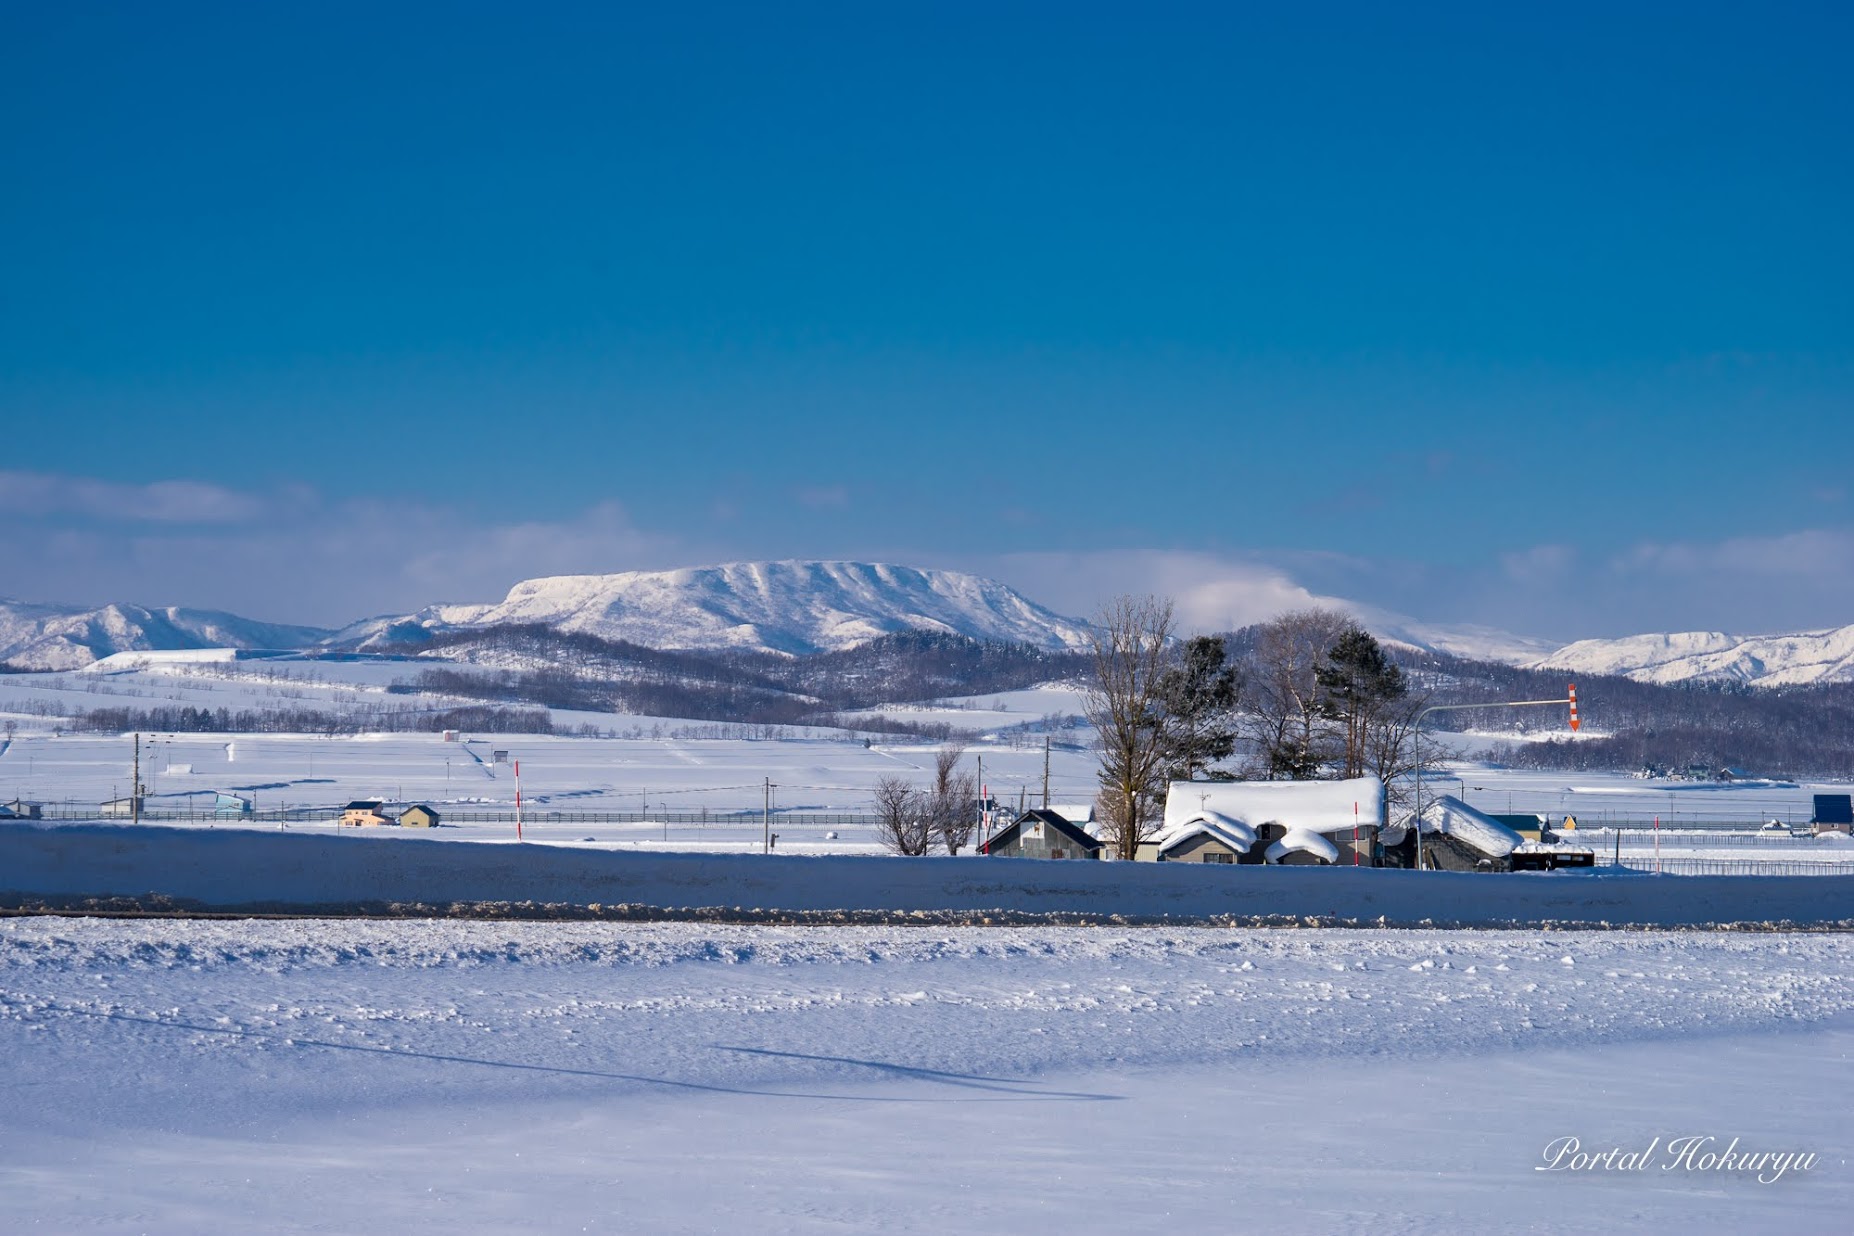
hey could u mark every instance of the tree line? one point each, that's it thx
(557, 669)
(365, 719)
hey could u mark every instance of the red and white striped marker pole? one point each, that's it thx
(1355, 834)
(518, 800)
(1573, 708)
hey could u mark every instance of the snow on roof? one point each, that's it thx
(1316, 806)
(1232, 833)
(1074, 813)
(1452, 817)
(1549, 847)
(1303, 841)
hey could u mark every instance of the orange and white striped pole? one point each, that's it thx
(1573, 708)
(518, 800)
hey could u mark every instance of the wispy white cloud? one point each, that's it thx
(161, 502)
(1754, 584)
(300, 557)
(1208, 592)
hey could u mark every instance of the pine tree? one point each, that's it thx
(1200, 693)
(1357, 683)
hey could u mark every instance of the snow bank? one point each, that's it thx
(245, 871)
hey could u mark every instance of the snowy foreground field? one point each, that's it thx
(352, 1076)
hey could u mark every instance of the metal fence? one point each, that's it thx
(696, 818)
(1701, 838)
(327, 812)
(1731, 866)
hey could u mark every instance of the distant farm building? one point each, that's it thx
(418, 816)
(1043, 833)
(20, 809)
(1834, 813)
(121, 809)
(1529, 825)
(231, 806)
(363, 813)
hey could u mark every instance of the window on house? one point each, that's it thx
(1219, 858)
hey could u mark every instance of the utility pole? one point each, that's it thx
(135, 786)
(766, 819)
(1046, 772)
(981, 802)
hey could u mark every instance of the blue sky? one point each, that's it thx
(1538, 318)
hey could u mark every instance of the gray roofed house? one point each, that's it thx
(1043, 833)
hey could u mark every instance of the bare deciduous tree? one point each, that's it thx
(1289, 735)
(1131, 724)
(1390, 750)
(952, 803)
(902, 821)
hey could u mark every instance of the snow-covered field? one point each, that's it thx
(336, 1075)
(355, 1076)
(661, 773)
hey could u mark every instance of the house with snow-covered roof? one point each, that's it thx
(1278, 822)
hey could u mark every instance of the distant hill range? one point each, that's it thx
(796, 608)
(53, 637)
(793, 608)
(1804, 659)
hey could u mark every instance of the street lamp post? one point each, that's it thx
(1416, 821)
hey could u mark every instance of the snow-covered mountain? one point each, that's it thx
(789, 607)
(55, 637)
(1760, 660)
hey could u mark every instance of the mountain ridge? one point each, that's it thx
(802, 607)
(65, 637)
(1800, 658)
(791, 606)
